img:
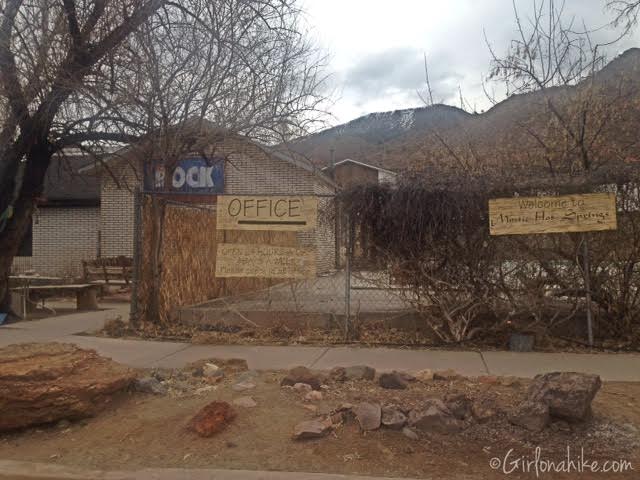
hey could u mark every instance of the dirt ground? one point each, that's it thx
(369, 334)
(141, 430)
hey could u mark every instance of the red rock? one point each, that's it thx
(212, 419)
(48, 382)
(489, 379)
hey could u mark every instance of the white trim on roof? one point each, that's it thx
(362, 164)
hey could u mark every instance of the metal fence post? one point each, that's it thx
(587, 286)
(347, 283)
(137, 251)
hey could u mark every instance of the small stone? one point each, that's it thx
(534, 416)
(338, 374)
(393, 380)
(337, 418)
(489, 379)
(302, 375)
(211, 370)
(161, 375)
(248, 376)
(407, 377)
(212, 419)
(245, 402)
(360, 372)
(63, 424)
(369, 415)
(214, 380)
(302, 387)
(204, 390)
(149, 385)
(425, 376)
(312, 429)
(510, 382)
(407, 432)
(484, 410)
(313, 396)
(311, 408)
(393, 418)
(344, 407)
(459, 405)
(446, 375)
(243, 386)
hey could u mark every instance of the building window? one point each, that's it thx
(26, 247)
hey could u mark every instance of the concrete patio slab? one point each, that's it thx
(467, 363)
(610, 367)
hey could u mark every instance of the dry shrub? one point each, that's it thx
(435, 244)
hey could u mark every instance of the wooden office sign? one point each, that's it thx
(567, 213)
(278, 213)
(264, 261)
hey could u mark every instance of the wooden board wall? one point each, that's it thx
(188, 259)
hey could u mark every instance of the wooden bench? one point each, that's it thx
(108, 271)
(86, 295)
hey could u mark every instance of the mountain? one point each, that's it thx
(364, 136)
(526, 128)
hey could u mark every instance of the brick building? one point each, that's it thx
(66, 223)
(249, 169)
(88, 211)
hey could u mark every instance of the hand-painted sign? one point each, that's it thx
(264, 261)
(281, 213)
(193, 175)
(567, 213)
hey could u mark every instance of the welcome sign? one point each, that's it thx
(561, 214)
(192, 175)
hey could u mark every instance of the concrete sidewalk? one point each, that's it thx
(144, 354)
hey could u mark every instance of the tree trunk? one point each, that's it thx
(37, 162)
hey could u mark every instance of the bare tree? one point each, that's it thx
(94, 73)
(626, 13)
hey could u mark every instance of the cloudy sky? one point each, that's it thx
(376, 47)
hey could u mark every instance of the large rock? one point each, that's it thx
(360, 372)
(459, 405)
(213, 418)
(149, 385)
(369, 415)
(568, 395)
(393, 417)
(312, 429)
(356, 372)
(301, 375)
(534, 416)
(433, 415)
(484, 410)
(47, 382)
(393, 381)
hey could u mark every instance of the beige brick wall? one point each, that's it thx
(117, 212)
(249, 170)
(62, 238)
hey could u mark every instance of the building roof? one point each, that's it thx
(64, 185)
(205, 126)
(362, 164)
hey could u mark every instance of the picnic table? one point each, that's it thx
(41, 287)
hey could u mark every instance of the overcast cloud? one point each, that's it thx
(376, 47)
